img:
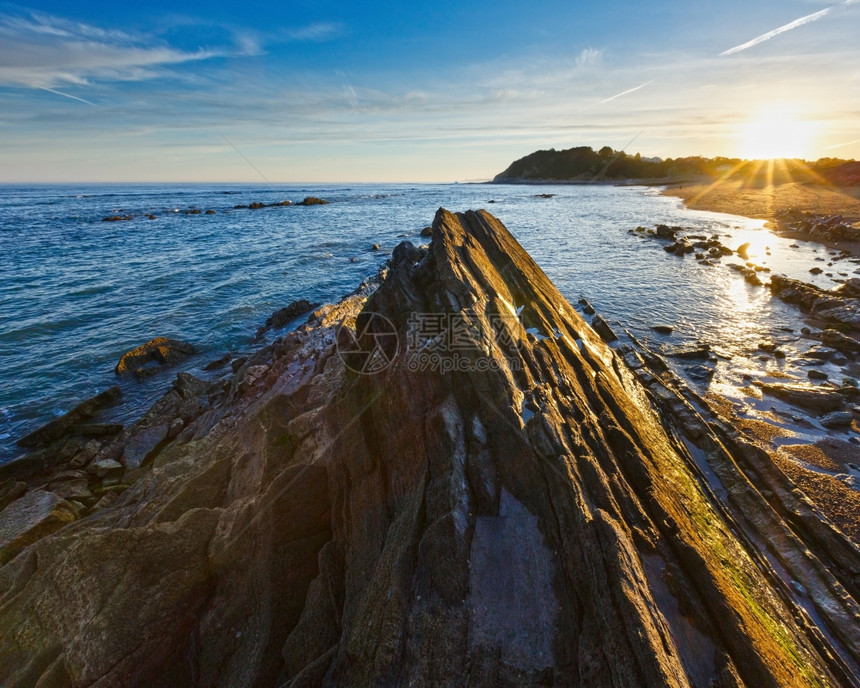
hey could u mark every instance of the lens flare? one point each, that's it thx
(777, 133)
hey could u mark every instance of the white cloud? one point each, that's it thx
(40, 51)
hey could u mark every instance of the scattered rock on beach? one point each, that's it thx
(851, 287)
(312, 200)
(663, 329)
(840, 342)
(602, 328)
(116, 218)
(816, 227)
(700, 373)
(836, 419)
(748, 273)
(664, 232)
(587, 308)
(700, 351)
(806, 397)
(827, 305)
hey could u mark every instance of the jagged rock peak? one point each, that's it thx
(447, 480)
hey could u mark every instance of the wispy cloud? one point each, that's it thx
(42, 51)
(588, 57)
(808, 19)
(317, 32)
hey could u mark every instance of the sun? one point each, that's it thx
(776, 133)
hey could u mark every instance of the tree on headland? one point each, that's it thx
(583, 164)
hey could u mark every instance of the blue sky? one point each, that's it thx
(442, 91)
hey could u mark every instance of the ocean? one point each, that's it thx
(76, 292)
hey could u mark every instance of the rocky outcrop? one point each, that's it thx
(70, 422)
(284, 315)
(816, 227)
(831, 306)
(29, 518)
(806, 397)
(506, 500)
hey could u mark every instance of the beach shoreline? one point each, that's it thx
(768, 202)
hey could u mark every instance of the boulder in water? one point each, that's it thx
(160, 351)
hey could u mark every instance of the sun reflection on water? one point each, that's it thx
(739, 326)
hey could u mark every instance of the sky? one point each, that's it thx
(330, 91)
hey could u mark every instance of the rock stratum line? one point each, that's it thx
(551, 512)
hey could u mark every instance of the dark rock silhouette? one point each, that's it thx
(549, 511)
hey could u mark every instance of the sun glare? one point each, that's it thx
(776, 133)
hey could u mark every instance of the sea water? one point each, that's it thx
(76, 292)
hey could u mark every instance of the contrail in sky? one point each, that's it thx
(842, 145)
(809, 18)
(617, 95)
(623, 93)
(66, 95)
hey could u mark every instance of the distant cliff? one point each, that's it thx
(448, 479)
(583, 164)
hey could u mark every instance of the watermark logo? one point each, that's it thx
(373, 346)
(441, 342)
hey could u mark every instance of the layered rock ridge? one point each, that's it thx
(450, 479)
